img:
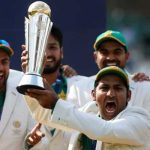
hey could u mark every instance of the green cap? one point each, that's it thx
(114, 35)
(112, 70)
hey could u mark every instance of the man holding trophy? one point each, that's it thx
(54, 139)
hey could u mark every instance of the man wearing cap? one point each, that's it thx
(111, 50)
(15, 120)
(120, 126)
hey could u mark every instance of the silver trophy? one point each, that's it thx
(37, 30)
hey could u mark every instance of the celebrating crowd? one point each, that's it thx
(107, 111)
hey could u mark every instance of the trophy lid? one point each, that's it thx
(39, 7)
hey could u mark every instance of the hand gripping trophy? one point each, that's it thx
(37, 30)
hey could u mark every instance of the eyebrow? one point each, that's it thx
(105, 49)
(116, 84)
(5, 59)
(55, 43)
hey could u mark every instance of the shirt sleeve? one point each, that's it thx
(130, 127)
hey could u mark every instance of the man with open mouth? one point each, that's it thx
(118, 126)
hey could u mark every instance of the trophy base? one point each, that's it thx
(30, 81)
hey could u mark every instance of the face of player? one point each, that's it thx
(4, 69)
(111, 96)
(54, 55)
(111, 53)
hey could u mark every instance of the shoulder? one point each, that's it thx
(90, 107)
(143, 85)
(86, 81)
(85, 84)
(76, 78)
(15, 72)
(14, 76)
(72, 80)
(134, 111)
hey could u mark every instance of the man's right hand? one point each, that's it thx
(47, 98)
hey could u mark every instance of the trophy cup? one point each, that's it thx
(37, 30)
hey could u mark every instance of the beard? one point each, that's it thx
(49, 70)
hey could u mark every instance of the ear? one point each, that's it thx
(93, 93)
(127, 56)
(62, 52)
(95, 56)
(129, 95)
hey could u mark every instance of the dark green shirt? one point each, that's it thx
(2, 99)
(60, 87)
(87, 143)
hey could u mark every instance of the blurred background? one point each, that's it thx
(81, 22)
(132, 18)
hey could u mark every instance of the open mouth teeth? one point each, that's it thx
(1, 74)
(111, 64)
(110, 107)
(1, 77)
(50, 60)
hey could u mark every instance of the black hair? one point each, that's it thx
(57, 34)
